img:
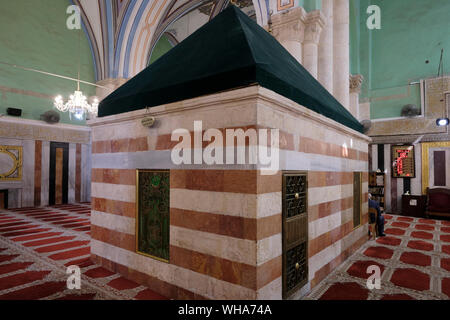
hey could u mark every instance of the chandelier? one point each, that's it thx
(77, 105)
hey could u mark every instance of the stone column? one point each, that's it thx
(288, 28)
(341, 52)
(111, 84)
(315, 21)
(325, 69)
(355, 89)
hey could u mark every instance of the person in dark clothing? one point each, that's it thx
(380, 220)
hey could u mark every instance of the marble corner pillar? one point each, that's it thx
(314, 23)
(341, 52)
(288, 28)
(355, 89)
(325, 63)
(110, 85)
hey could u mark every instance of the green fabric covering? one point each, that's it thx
(230, 51)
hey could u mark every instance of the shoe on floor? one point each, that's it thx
(382, 235)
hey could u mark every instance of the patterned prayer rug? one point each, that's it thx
(414, 260)
(38, 244)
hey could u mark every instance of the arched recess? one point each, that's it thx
(173, 13)
(165, 43)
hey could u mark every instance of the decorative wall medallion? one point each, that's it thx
(10, 163)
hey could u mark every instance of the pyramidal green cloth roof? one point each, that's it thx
(228, 52)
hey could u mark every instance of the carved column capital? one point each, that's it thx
(289, 25)
(356, 81)
(314, 24)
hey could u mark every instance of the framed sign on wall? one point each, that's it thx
(403, 161)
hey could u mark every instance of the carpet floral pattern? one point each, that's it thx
(414, 260)
(38, 244)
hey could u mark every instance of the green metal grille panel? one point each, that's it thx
(153, 213)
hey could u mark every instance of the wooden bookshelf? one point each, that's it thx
(376, 186)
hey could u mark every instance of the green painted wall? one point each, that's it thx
(34, 34)
(412, 32)
(162, 47)
(309, 5)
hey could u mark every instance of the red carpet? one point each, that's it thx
(395, 231)
(38, 244)
(420, 245)
(422, 235)
(346, 291)
(359, 268)
(122, 284)
(408, 219)
(411, 278)
(445, 264)
(46, 241)
(416, 258)
(12, 267)
(35, 292)
(424, 227)
(99, 272)
(21, 279)
(5, 257)
(446, 249)
(390, 241)
(414, 261)
(400, 224)
(379, 252)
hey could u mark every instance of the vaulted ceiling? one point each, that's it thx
(123, 33)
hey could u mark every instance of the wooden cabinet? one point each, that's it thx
(413, 206)
(376, 187)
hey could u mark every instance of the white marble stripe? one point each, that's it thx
(271, 291)
(222, 117)
(250, 252)
(110, 191)
(324, 225)
(331, 252)
(227, 203)
(45, 169)
(72, 171)
(193, 281)
(331, 193)
(289, 160)
(113, 222)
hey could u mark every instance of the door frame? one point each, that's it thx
(52, 172)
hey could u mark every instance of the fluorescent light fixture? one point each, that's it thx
(442, 122)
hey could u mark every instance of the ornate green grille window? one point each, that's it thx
(153, 213)
(357, 199)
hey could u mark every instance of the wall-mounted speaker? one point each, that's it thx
(14, 112)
